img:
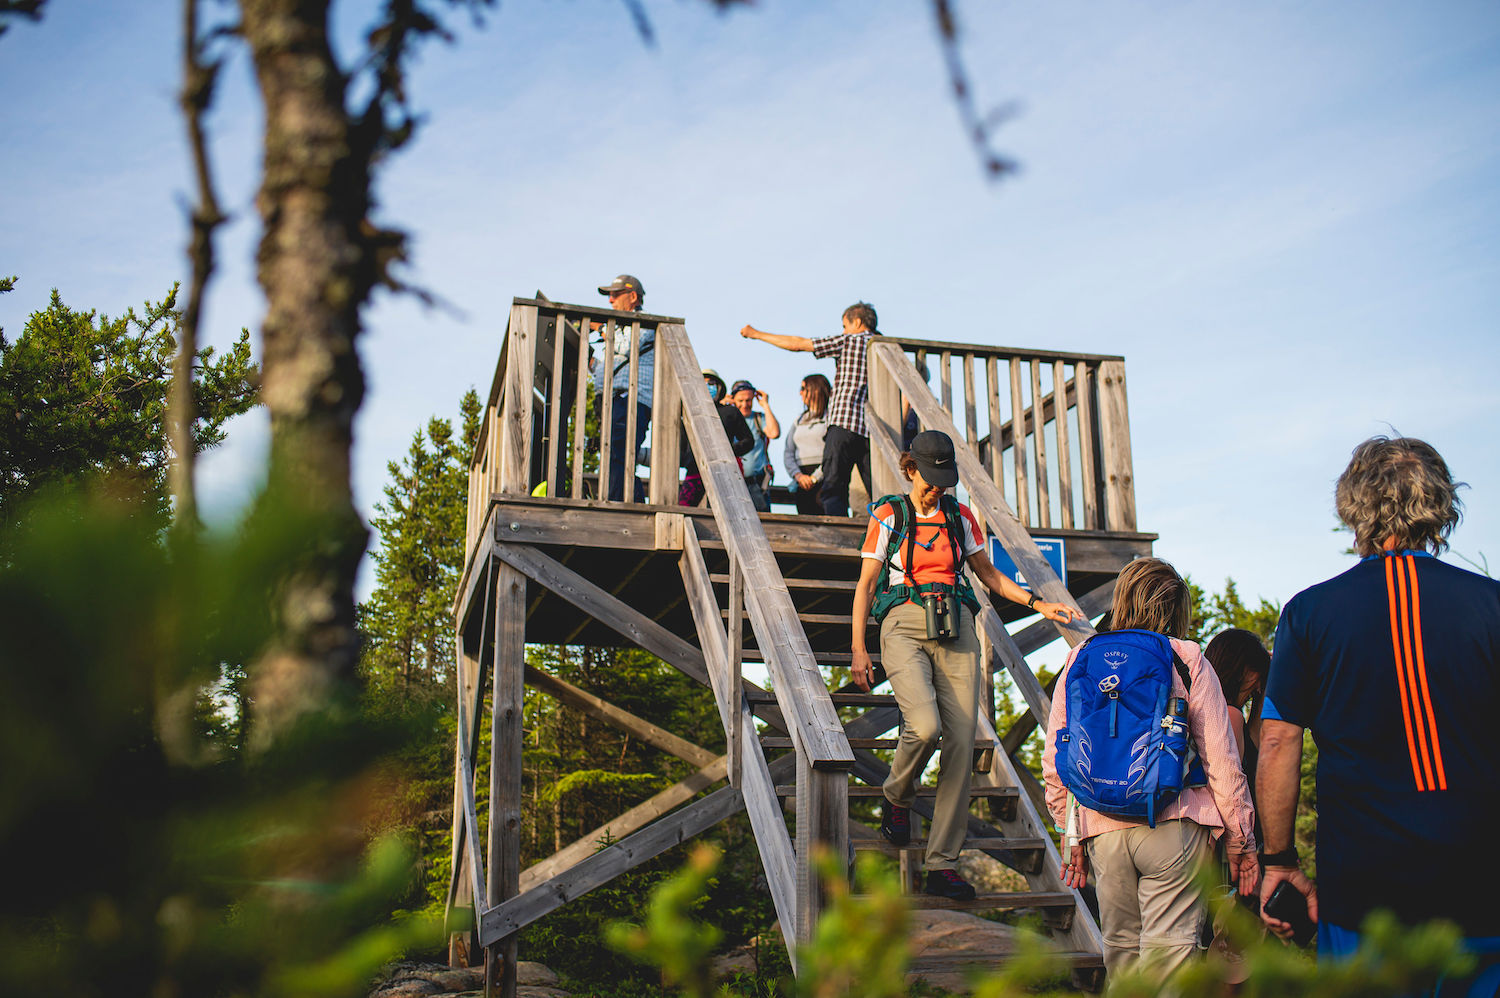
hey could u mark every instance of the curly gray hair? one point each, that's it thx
(1398, 488)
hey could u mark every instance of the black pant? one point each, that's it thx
(843, 451)
(809, 501)
(622, 456)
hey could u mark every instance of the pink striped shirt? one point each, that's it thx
(1223, 806)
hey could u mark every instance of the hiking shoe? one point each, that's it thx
(948, 884)
(895, 823)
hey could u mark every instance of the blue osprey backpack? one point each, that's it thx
(1124, 749)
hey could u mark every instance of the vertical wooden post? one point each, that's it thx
(1018, 443)
(996, 465)
(580, 409)
(971, 409)
(666, 428)
(822, 827)
(1039, 448)
(1064, 458)
(606, 388)
(1114, 438)
(946, 378)
(1088, 444)
(632, 412)
(736, 691)
(462, 946)
(885, 410)
(504, 881)
(556, 420)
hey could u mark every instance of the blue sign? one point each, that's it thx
(1053, 549)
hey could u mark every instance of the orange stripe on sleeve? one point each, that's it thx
(1411, 745)
(1416, 616)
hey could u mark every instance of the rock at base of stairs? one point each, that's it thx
(952, 934)
(989, 875)
(409, 979)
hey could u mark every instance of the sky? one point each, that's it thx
(1283, 215)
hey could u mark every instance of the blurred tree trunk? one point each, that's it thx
(316, 268)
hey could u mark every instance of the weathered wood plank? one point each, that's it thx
(804, 699)
(506, 734)
(1064, 456)
(606, 389)
(1088, 448)
(883, 417)
(822, 836)
(555, 420)
(1114, 437)
(628, 621)
(921, 347)
(971, 406)
(945, 377)
(631, 821)
(1018, 451)
(515, 913)
(515, 418)
(994, 454)
(666, 442)
(632, 414)
(757, 788)
(1039, 449)
(653, 735)
(735, 689)
(580, 414)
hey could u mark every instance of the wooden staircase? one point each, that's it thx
(708, 590)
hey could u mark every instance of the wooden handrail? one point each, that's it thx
(984, 494)
(800, 689)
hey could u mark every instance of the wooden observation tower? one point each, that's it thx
(709, 588)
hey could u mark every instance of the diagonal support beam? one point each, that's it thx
(631, 821)
(625, 619)
(512, 915)
(651, 734)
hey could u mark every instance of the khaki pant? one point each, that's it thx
(1149, 907)
(936, 684)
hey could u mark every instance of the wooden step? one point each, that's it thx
(991, 902)
(839, 699)
(790, 790)
(824, 658)
(812, 618)
(785, 741)
(993, 843)
(823, 585)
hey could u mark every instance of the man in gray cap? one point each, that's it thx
(625, 294)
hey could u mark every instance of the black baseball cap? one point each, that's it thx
(623, 283)
(933, 452)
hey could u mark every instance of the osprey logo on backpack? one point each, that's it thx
(1123, 749)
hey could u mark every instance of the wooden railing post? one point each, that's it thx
(883, 418)
(1114, 437)
(666, 433)
(505, 769)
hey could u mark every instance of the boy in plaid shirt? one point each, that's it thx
(847, 445)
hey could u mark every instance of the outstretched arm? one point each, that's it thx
(796, 344)
(983, 568)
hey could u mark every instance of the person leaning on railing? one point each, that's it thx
(912, 575)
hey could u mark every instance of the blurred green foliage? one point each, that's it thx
(153, 852)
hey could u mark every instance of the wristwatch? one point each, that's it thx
(1287, 858)
(1032, 602)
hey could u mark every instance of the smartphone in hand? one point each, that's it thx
(1287, 904)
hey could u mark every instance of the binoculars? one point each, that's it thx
(942, 615)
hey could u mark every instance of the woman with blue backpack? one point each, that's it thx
(912, 577)
(1143, 771)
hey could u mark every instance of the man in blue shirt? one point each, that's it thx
(1394, 666)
